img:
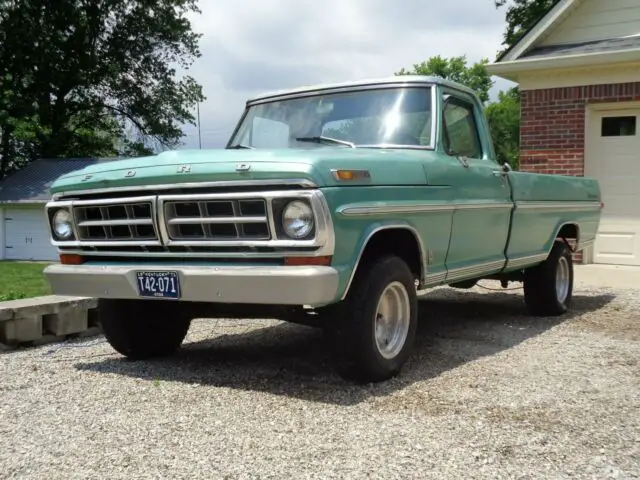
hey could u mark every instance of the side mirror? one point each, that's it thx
(506, 168)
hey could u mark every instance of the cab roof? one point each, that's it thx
(399, 80)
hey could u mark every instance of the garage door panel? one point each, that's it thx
(27, 235)
(624, 186)
(618, 241)
(620, 205)
(614, 159)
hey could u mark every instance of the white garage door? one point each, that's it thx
(613, 157)
(27, 235)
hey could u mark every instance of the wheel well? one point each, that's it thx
(398, 241)
(570, 234)
(570, 230)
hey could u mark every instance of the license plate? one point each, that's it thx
(158, 284)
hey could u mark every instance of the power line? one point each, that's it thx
(199, 134)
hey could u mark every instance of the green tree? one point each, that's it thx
(503, 115)
(456, 69)
(504, 121)
(521, 15)
(76, 76)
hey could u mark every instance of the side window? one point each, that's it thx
(460, 131)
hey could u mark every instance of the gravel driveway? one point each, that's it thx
(490, 393)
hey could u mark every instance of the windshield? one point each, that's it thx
(399, 117)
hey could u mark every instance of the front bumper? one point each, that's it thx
(272, 285)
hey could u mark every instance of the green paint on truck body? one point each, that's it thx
(471, 217)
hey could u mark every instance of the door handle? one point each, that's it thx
(463, 160)
(502, 172)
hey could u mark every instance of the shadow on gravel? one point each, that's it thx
(294, 361)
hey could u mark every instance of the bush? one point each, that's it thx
(5, 297)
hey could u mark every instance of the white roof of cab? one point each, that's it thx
(395, 80)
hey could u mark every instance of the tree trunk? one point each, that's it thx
(5, 150)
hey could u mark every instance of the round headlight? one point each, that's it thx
(297, 219)
(62, 225)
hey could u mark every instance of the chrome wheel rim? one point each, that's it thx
(393, 316)
(562, 279)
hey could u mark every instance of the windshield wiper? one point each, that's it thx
(239, 145)
(326, 140)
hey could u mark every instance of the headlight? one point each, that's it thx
(297, 219)
(62, 227)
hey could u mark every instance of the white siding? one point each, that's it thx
(597, 20)
(580, 77)
(27, 235)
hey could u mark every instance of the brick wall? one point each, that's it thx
(552, 127)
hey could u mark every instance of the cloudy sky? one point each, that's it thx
(251, 46)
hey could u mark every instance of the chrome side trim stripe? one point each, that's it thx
(518, 262)
(433, 279)
(558, 206)
(473, 271)
(357, 210)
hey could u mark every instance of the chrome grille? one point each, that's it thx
(205, 225)
(117, 221)
(224, 219)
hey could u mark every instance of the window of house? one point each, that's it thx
(460, 130)
(618, 126)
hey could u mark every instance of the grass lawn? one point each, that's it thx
(22, 280)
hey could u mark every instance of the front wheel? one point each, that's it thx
(141, 329)
(548, 287)
(376, 330)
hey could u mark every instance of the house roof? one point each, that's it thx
(31, 183)
(549, 21)
(526, 56)
(596, 46)
(526, 33)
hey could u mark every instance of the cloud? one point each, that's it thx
(249, 47)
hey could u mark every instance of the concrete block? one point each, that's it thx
(94, 317)
(69, 319)
(5, 313)
(21, 329)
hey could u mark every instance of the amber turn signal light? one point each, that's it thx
(71, 259)
(291, 261)
(351, 174)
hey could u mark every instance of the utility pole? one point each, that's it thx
(199, 136)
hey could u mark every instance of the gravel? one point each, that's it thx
(490, 393)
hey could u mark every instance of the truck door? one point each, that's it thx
(480, 193)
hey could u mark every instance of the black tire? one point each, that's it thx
(142, 329)
(541, 283)
(357, 353)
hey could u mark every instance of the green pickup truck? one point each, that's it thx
(331, 206)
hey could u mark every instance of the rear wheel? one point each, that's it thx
(548, 287)
(376, 328)
(141, 329)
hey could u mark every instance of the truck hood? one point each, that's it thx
(387, 167)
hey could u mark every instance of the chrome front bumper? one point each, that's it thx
(279, 285)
